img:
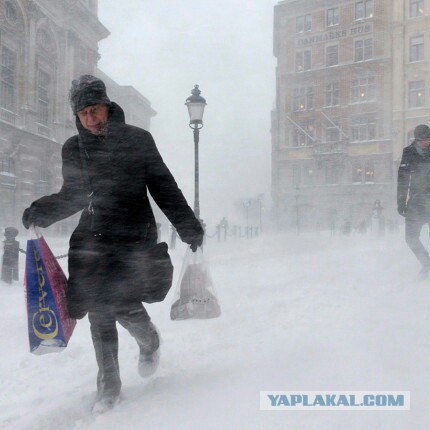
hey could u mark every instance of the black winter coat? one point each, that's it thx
(413, 184)
(121, 168)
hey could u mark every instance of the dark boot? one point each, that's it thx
(105, 340)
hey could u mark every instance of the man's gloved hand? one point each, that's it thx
(402, 209)
(29, 218)
(196, 242)
(75, 310)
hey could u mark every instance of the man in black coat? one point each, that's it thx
(413, 193)
(107, 169)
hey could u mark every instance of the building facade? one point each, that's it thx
(44, 45)
(350, 89)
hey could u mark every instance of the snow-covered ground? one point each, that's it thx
(299, 313)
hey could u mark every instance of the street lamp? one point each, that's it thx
(196, 106)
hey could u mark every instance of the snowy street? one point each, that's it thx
(306, 313)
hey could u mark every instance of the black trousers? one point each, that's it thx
(413, 226)
(103, 318)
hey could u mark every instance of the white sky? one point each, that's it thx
(163, 49)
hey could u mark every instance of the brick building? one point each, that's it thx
(44, 44)
(350, 90)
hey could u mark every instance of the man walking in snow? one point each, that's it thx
(107, 169)
(413, 193)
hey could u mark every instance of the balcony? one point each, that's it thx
(327, 148)
(43, 130)
(7, 116)
(7, 179)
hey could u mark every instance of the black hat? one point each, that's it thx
(87, 90)
(422, 132)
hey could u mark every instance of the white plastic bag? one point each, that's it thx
(195, 295)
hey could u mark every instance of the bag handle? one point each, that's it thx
(34, 231)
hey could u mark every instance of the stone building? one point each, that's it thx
(44, 44)
(351, 88)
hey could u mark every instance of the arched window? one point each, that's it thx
(8, 79)
(43, 97)
(11, 12)
(12, 38)
(45, 79)
(7, 172)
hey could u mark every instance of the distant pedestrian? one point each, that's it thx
(378, 217)
(9, 269)
(346, 227)
(413, 193)
(362, 227)
(224, 227)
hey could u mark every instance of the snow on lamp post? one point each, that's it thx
(196, 106)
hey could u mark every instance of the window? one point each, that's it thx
(303, 61)
(44, 39)
(416, 48)
(303, 23)
(10, 12)
(363, 49)
(332, 94)
(43, 98)
(7, 177)
(416, 8)
(296, 175)
(7, 79)
(363, 128)
(332, 174)
(331, 131)
(83, 55)
(332, 17)
(43, 173)
(7, 165)
(303, 134)
(369, 172)
(308, 174)
(43, 186)
(363, 9)
(363, 89)
(357, 173)
(332, 55)
(416, 94)
(303, 99)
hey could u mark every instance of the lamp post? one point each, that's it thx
(196, 106)
(297, 194)
(260, 208)
(247, 204)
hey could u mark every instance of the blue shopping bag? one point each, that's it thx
(49, 326)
